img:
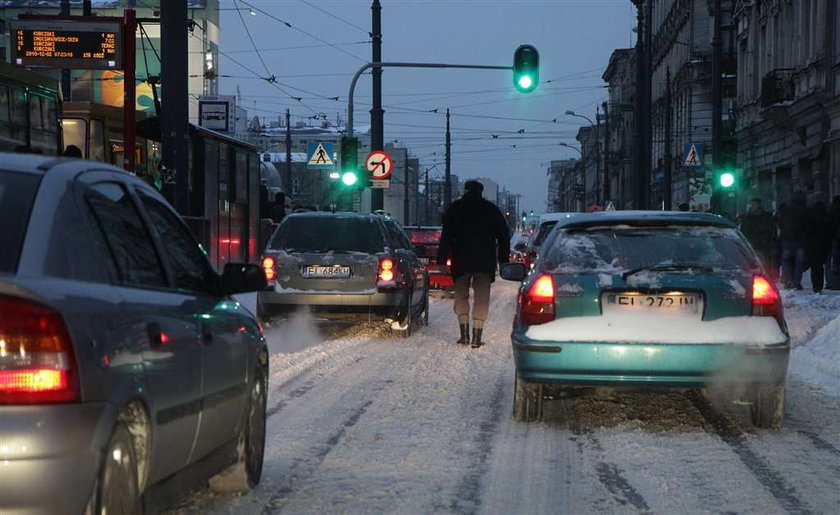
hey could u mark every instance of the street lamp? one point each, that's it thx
(597, 152)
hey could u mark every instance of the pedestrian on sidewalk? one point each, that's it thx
(760, 230)
(476, 238)
(792, 220)
(817, 243)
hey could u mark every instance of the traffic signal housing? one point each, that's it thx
(526, 68)
(349, 173)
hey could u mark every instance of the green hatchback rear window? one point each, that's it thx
(17, 193)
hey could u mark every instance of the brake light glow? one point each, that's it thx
(538, 301)
(268, 268)
(448, 262)
(766, 300)
(386, 270)
(764, 293)
(36, 358)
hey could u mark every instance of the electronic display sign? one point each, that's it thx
(67, 44)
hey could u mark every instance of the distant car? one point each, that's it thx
(651, 299)
(345, 266)
(126, 368)
(428, 238)
(545, 223)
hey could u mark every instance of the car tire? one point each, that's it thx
(408, 319)
(527, 401)
(245, 474)
(118, 485)
(768, 406)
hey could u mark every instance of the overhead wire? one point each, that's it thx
(342, 20)
(250, 37)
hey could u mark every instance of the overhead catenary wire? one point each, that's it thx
(342, 20)
(251, 38)
(298, 29)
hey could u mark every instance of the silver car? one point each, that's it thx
(127, 370)
(346, 266)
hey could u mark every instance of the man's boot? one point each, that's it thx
(476, 338)
(465, 334)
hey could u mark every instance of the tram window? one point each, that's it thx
(18, 113)
(4, 103)
(36, 119)
(241, 176)
(74, 131)
(96, 152)
(224, 172)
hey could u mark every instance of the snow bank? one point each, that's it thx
(818, 361)
(652, 328)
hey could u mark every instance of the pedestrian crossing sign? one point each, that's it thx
(693, 156)
(320, 155)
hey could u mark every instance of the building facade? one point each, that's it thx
(620, 77)
(788, 112)
(681, 97)
(563, 186)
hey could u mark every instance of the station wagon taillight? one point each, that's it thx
(386, 270)
(36, 358)
(268, 268)
(538, 301)
(766, 300)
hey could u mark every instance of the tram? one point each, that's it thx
(30, 105)
(224, 188)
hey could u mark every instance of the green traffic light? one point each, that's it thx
(727, 179)
(349, 178)
(526, 68)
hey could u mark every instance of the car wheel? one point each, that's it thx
(527, 401)
(768, 407)
(246, 472)
(408, 319)
(118, 482)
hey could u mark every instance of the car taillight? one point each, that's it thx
(448, 263)
(268, 268)
(765, 298)
(36, 358)
(386, 270)
(538, 301)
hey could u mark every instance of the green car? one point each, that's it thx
(649, 298)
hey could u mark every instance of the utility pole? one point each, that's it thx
(669, 158)
(65, 74)
(86, 8)
(377, 129)
(447, 193)
(717, 108)
(597, 155)
(638, 125)
(288, 174)
(648, 119)
(606, 152)
(406, 191)
(428, 200)
(175, 115)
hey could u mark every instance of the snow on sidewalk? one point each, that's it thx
(814, 324)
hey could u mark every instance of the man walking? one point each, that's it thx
(761, 231)
(476, 238)
(792, 221)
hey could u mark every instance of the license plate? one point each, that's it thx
(424, 260)
(682, 303)
(325, 272)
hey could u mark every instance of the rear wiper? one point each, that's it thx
(663, 266)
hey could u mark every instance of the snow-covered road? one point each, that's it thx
(361, 423)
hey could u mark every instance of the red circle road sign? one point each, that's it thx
(379, 164)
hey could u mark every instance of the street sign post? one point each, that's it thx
(379, 164)
(320, 156)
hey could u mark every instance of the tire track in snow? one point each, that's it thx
(317, 456)
(609, 474)
(469, 489)
(303, 389)
(772, 480)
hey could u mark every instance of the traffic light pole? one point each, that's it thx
(376, 134)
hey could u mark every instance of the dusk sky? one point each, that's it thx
(574, 37)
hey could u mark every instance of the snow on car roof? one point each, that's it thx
(636, 218)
